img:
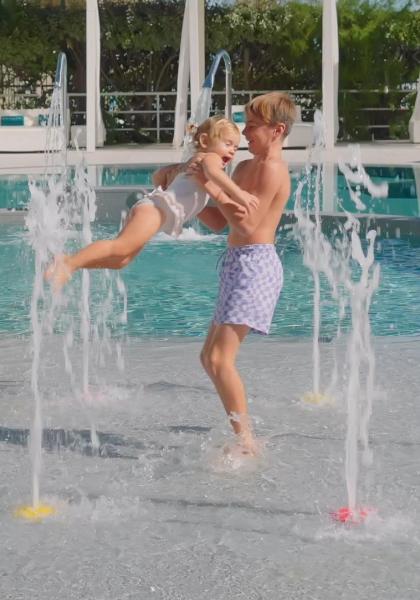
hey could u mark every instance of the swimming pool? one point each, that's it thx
(172, 287)
(185, 273)
(403, 183)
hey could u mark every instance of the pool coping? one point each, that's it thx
(388, 225)
(372, 153)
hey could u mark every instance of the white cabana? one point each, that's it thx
(95, 130)
(414, 124)
(191, 64)
(192, 69)
(330, 62)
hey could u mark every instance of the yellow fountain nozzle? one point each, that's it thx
(318, 399)
(34, 513)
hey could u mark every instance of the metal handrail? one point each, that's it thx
(60, 83)
(239, 97)
(209, 80)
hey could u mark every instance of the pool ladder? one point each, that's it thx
(60, 83)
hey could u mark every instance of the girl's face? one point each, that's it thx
(225, 146)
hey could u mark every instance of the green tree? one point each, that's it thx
(273, 45)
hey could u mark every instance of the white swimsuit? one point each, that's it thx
(181, 201)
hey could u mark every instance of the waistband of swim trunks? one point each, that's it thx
(248, 247)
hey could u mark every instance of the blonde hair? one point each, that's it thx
(214, 128)
(273, 108)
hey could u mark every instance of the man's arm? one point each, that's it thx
(165, 175)
(212, 218)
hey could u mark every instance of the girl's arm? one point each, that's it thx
(273, 183)
(212, 167)
(232, 213)
(248, 206)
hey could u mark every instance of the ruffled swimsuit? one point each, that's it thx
(180, 202)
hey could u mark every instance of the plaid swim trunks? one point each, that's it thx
(251, 279)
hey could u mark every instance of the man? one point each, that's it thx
(251, 276)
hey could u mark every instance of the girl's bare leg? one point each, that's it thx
(218, 358)
(142, 223)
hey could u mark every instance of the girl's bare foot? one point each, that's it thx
(59, 272)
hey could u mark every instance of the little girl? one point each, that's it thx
(176, 199)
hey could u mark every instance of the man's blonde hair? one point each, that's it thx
(214, 128)
(273, 108)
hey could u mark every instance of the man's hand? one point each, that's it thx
(240, 211)
(194, 166)
(248, 202)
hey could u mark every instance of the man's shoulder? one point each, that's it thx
(276, 165)
(275, 178)
(243, 164)
(272, 175)
(274, 170)
(241, 169)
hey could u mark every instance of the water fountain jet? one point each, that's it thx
(201, 111)
(43, 221)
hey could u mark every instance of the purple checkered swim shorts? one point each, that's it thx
(251, 279)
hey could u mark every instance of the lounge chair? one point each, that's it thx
(23, 130)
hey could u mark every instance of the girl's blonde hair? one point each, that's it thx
(213, 127)
(273, 108)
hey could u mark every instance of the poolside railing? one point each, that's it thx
(149, 116)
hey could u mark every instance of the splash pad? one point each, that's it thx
(194, 523)
(315, 244)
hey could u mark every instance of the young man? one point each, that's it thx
(251, 276)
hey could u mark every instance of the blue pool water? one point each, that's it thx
(172, 288)
(14, 189)
(403, 198)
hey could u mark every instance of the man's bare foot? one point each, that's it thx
(246, 446)
(59, 272)
(249, 443)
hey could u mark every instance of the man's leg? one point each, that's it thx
(218, 358)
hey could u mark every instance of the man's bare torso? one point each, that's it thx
(268, 180)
